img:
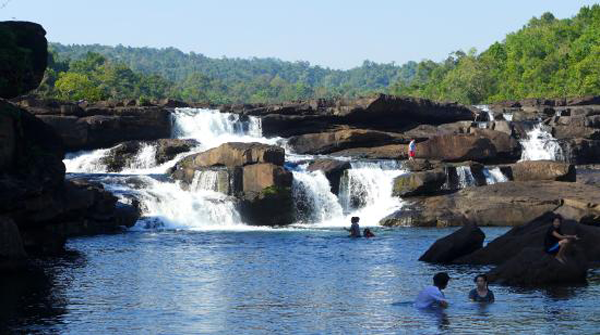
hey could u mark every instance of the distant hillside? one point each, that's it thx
(245, 80)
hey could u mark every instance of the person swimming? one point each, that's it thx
(432, 296)
(481, 293)
(368, 233)
(354, 227)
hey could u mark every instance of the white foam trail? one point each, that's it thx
(494, 176)
(541, 145)
(86, 161)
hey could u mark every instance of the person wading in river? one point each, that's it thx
(354, 228)
(481, 293)
(432, 296)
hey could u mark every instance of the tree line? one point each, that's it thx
(547, 58)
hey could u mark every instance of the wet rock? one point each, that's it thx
(533, 267)
(12, 253)
(24, 54)
(333, 170)
(543, 170)
(584, 151)
(417, 165)
(463, 241)
(532, 234)
(125, 154)
(419, 183)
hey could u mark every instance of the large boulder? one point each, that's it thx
(23, 57)
(419, 183)
(533, 267)
(543, 170)
(489, 146)
(333, 170)
(532, 234)
(106, 127)
(252, 172)
(235, 154)
(463, 241)
(328, 142)
(584, 151)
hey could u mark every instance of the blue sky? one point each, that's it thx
(333, 33)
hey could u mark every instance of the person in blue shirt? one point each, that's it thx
(481, 293)
(432, 296)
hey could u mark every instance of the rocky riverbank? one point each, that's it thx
(39, 207)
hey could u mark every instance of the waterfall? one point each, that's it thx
(541, 145)
(494, 176)
(312, 194)
(366, 189)
(465, 176)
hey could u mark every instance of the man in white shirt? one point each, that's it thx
(432, 296)
(412, 149)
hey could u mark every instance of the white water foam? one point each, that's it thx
(541, 145)
(311, 190)
(465, 176)
(494, 176)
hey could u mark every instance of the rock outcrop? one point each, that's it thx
(482, 146)
(96, 127)
(419, 183)
(463, 241)
(23, 55)
(252, 172)
(543, 170)
(501, 204)
(329, 142)
(381, 112)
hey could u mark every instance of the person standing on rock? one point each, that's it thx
(432, 296)
(354, 227)
(481, 293)
(555, 242)
(412, 149)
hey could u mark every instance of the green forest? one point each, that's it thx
(547, 58)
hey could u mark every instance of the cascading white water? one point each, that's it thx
(541, 145)
(494, 176)
(366, 189)
(486, 109)
(465, 176)
(313, 197)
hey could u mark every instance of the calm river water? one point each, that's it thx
(295, 281)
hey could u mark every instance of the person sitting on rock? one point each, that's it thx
(412, 149)
(368, 233)
(555, 242)
(432, 296)
(481, 293)
(354, 228)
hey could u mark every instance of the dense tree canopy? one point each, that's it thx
(546, 58)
